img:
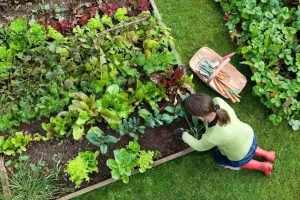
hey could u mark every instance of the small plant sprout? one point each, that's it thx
(96, 136)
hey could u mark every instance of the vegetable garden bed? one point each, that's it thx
(98, 76)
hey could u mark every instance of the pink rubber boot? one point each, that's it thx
(265, 167)
(269, 155)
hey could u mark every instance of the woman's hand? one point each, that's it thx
(178, 133)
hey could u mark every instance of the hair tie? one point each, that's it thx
(217, 107)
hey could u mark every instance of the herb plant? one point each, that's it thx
(196, 129)
(31, 182)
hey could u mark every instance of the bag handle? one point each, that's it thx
(228, 56)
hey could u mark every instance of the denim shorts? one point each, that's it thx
(223, 160)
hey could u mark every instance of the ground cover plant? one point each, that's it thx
(72, 93)
(268, 35)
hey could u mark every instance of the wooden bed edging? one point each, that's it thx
(109, 181)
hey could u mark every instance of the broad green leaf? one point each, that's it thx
(113, 89)
(112, 164)
(93, 138)
(169, 109)
(115, 174)
(110, 139)
(144, 113)
(78, 132)
(125, 178)
(96, 131)
(103, 148)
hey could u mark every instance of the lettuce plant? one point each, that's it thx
(114, 105)
(127, 159)
(18, 30)
(120, 15)
(54, 34)
(79, 168)
(134, 146)
(148, 92)
(14, 144)
(95, 24)
(36, 34)
(123, 164)
(145, 160)
(107, 20)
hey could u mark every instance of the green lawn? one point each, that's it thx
(194, 24)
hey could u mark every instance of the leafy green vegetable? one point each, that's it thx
(96, 136)
(159, 62)
(95, 24)
(131, 127)
(145, 160)
(176, 112)
(39, 76)
(106, 20)
(123, 165)
(120, 15)
(148, 92)
(36, 34)
(18, 30)
(14, 144)
(151, 120)
(156, 119)
(127, 159)
(134, 146)
(81, 111)
(80, 167)
(54, 34)
(114, 106)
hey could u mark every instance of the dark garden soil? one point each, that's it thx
(157, 139)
